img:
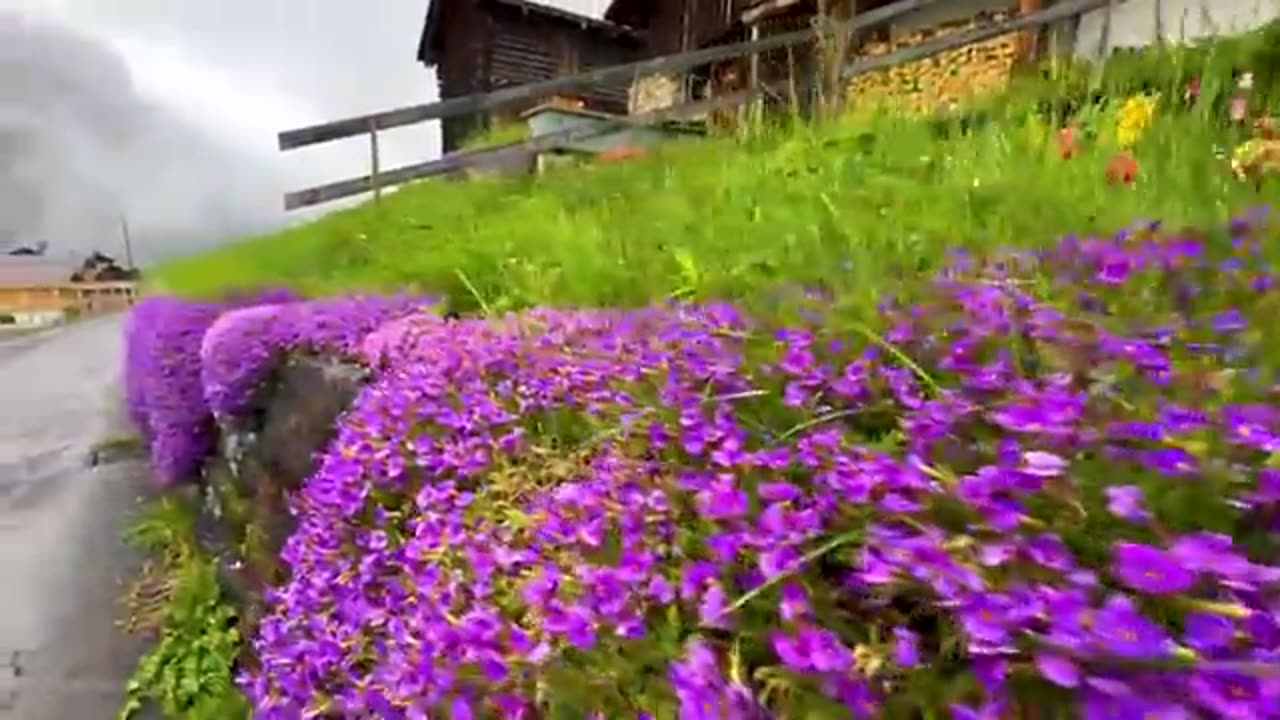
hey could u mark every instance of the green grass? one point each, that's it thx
(854, 204)
(188, 673)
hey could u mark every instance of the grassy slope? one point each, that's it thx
(850, 204)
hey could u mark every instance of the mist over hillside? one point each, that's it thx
(80, 148)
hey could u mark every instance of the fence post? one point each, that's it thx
(1104, 37)
(1028, 41)
(375, 180)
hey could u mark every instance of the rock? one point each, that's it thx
(243, 517)
(310, 394)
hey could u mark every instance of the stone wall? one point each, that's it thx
(244, 519)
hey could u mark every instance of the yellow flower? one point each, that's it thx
(1134, 118)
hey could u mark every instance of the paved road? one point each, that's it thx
(62, 563)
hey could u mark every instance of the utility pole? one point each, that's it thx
(128, 243)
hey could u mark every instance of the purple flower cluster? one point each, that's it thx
(162, 379)
(242, 347)
(1049, 483)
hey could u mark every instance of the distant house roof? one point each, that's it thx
(28, 270)
(429, 45)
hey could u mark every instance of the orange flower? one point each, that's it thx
(1067, 142)
(1122, 168)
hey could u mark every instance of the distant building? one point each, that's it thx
(25, 300)
(38, 290)
(485, 45)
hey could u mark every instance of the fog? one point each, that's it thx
(164, 112)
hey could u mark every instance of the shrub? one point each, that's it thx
(1048, 482)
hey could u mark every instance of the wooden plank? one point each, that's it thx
(460, 161)
(480, 102)
(455, 162)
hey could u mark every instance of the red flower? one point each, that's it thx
(1122, 168)
(1067, 142)
(1267, 128)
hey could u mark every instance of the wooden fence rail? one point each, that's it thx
(497, 99)
(455, 162)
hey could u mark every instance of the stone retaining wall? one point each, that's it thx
(244, 519)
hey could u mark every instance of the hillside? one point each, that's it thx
(892, 417)
(873, 195)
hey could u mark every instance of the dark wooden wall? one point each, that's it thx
(673, 26)
(528, 47)
(463, 68)
(493, 45)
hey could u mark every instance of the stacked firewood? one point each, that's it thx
(653, 92)
(940, 81)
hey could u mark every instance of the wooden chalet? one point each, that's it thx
(484, 45)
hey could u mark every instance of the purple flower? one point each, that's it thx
(1171, 461)
(1043, 464)
(1206, 633)
(1120, 629)
(906, 647)
(1125, 501)
(1149, 569)
(1057, 669)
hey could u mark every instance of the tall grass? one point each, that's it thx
(851, 203)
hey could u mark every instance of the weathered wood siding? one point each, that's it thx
(488, 46)
(528, 48)
(678, 25)
(611, 97)
(463, 69)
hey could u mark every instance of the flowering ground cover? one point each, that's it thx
(875, 195)
(162, 378)
(241, 347)
(189, 365)
(1042, 484)
(734, 430)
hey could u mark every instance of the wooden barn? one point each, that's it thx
(484, 45)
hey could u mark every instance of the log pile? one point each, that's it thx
(940, 81)
(653, 92)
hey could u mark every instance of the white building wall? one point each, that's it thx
(1134, 24)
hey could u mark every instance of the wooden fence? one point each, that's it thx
(498, 155)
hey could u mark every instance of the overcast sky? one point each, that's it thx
(253, 67)
(202, 88)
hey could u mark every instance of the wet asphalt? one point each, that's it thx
(62, 563)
